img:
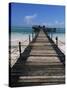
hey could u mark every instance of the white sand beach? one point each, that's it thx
(61, 41)
(15, 38)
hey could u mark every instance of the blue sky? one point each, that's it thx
(35, 14)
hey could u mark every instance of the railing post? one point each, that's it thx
(29, 38)
(32, 35)
(51, 34)
(57, 41)
(20, 48)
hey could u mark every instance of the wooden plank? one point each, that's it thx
(43, 51)
(44, 54)
(43, 63)
(43, 59)
(41, 79)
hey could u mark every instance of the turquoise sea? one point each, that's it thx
(23, 32)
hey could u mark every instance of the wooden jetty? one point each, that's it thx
(41, 63)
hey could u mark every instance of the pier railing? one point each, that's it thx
(57, 41)
(15, 51)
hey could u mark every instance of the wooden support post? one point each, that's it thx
(51, 34)
(29, 39)
(20, 48)
(57, 41)
(32, 35)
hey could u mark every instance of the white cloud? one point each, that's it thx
(56, 24)
(47, 24)
(44, 23)
(29, 19)
(59, 24)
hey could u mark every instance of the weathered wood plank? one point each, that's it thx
(43, 59)
(41, 79)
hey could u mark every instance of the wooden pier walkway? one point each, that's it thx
(41, 63)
